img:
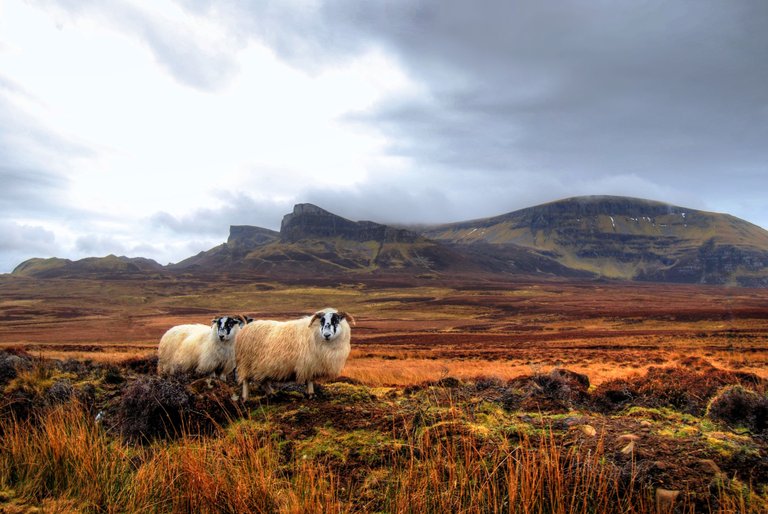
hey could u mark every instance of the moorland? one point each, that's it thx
(470, 394)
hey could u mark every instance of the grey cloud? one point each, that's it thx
(16, 237)
(94, 244)
(238, 210)
(202, 65)
(671, 92)
(33, 183)
(21, 242)
(28, 190)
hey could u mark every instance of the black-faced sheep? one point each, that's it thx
(200, 348)
(302, 350)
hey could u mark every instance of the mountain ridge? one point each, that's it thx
(627, 238)
(594, 236)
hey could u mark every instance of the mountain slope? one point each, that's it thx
(95, 267)
(627, 238)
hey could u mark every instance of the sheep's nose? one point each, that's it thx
(221, 338)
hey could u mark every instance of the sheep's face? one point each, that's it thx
(226, 327)
(329, 325)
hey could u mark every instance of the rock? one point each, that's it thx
(628, 449)
(311, 222)
(569, 423)
(628, 438)
(588, 430)
(665, 499)
(709, 466)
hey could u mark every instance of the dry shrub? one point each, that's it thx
(158, 407)
(152, 407)
(677, 387)
(112, 375)
(558, 390)
(34, 389)
(11, 362)
(737, 406)
(143, 365)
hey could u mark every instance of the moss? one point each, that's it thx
(661, 414)
(384, 392)
(36, 381)
(682, 432)
(252, 427)
(341, 393)
(729, 445)
(369, 447)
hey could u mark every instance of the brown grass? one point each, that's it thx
(446, 467)
(411, 334)
(405, 336)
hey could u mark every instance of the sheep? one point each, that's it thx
(200, 348)
(293, 350)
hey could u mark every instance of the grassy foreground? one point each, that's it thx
(77, 437)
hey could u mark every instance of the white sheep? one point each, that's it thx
(201, 348)
(299, 350)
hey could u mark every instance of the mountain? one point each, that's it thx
(582, 237)
(627, 238)
(96, 267)
(315, 241)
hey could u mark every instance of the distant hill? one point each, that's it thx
(582, 237)
(97, 267)
(627, 238)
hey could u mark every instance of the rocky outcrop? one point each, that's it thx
(308, 221)
(247, 236)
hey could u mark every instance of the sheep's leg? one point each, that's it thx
(245, 390)
(310, 389)
(268, 388)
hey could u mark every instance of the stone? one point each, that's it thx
(665, 499)
(709, 466)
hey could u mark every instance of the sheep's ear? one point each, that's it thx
(318, 314)
(248, 320)
(214, 320)
(350, 319)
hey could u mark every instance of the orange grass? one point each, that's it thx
(446, 467)
(377, 372)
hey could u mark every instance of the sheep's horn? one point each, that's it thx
(347, 317)
(242, 318)
(318, 314)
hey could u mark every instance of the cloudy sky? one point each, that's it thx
(146, 128)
